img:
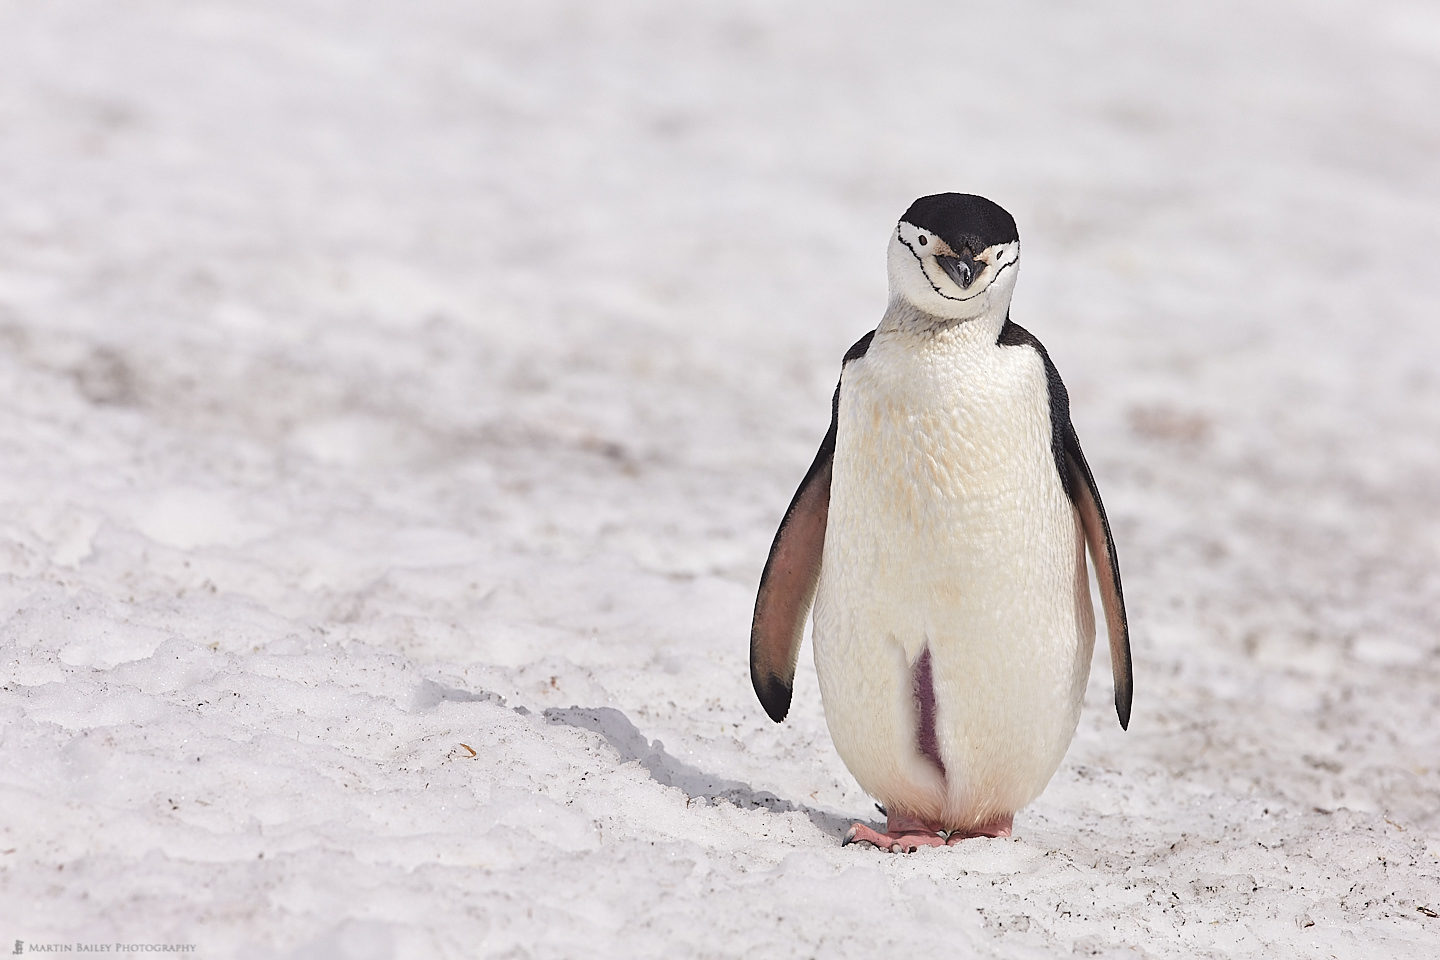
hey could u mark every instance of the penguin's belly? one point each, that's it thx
(949, 531)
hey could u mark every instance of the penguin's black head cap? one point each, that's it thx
(963, 220)
(952, 257)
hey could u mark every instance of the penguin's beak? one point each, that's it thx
(960, 269)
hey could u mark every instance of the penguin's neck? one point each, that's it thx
(904, 320)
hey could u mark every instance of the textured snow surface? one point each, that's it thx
(397, 402)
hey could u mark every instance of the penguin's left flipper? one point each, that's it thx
(792, 571)
(1107, 572)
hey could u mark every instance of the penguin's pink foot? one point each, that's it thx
(902, 835)
(999, 827)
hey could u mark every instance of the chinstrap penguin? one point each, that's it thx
(940, 534)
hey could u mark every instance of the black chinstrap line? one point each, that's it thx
(920, 260)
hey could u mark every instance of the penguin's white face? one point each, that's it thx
(947, 283)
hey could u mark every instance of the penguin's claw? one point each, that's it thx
(899, 841)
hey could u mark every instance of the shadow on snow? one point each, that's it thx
(631, 744)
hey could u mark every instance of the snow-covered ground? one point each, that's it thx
(397, 402)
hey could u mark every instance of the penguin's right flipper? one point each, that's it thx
(792, 571)
(787, 587)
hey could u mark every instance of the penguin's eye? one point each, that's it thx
(922, 240)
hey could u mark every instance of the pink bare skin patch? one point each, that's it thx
(923, 687)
